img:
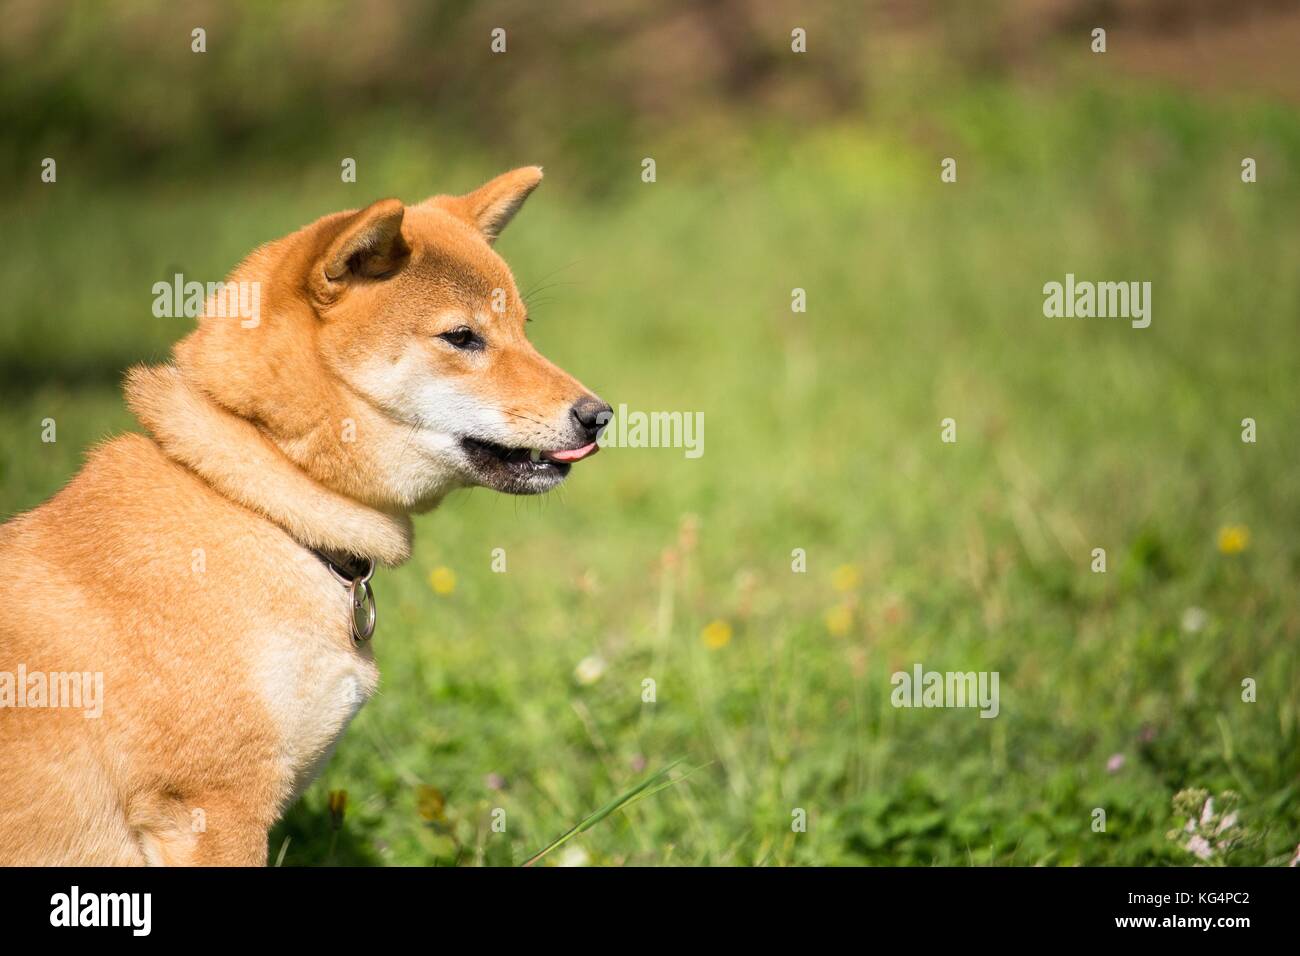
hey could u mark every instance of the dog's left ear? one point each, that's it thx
(490, 208)
(369, 244)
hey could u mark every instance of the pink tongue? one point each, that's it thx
(572, 454)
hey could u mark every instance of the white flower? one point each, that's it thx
(573, 856)
(1194, 620)
(589, 670)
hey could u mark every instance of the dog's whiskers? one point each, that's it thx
(537, 286)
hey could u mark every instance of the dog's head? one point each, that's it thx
(407, 321)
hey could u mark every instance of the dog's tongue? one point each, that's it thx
(572, 454)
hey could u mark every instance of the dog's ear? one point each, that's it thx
(368, 245)
(491, 207)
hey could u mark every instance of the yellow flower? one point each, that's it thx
(1234, 538)
(442, 580)
(338, 807)
(839, 620)
(430, 804)
(845, 577)
(716, 634)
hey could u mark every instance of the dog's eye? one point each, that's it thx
(462, 338)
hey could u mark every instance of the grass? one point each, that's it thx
(822, 434)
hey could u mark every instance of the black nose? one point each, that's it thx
(592, 415)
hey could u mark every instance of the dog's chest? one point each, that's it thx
(313, 681)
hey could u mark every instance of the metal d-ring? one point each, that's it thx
(361, 594)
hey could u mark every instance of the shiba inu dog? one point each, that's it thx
(211, 580)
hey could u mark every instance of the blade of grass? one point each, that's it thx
(592, 819)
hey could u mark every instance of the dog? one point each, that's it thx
(212, 578)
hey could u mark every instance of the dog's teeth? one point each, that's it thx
(535, 454)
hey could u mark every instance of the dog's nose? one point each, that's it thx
(592, 415)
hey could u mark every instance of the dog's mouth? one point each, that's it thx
(522, 471)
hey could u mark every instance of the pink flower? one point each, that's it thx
(1200, 847)
(1115, 763)
(1207, 812)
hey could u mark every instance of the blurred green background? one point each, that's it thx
(522, 691)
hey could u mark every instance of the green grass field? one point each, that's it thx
(822, 433)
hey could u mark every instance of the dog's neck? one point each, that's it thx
(239, 462)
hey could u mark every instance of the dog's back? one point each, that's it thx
(126, 661)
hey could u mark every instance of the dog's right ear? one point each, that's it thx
(490, 208)
(368, 245)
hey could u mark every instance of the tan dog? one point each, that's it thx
(200, 573)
